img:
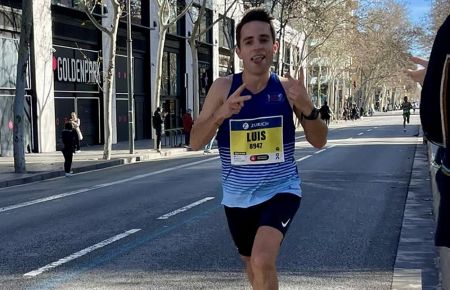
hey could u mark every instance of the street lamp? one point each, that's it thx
(130, 81)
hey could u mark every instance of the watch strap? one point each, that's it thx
(314, 114)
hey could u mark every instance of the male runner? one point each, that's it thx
(406, 108)
(256, 139)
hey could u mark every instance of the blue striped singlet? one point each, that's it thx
(257, 147)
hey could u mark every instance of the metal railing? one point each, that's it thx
(173, 137)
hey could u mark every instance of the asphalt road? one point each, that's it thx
(160, 225)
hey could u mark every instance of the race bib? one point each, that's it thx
(256, 141)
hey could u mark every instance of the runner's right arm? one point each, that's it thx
(216, 109)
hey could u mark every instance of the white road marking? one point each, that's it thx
(303, 158)
(82, 190)
(78, 254)
(301, 136)
(185, 208)
(320, 151)
(368, 130)
(19, 205)
(360, 134)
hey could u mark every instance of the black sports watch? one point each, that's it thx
(314, 114)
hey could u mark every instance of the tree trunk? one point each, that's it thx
(157, 99)
(19, 125)
(319, 87)
(109, 81)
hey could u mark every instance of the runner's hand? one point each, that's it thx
(296, 93)
(418, 75)
(233, 104)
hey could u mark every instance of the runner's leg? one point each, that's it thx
(264, 255)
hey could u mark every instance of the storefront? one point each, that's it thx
(77, 78)
(173, 93)
(77, 68)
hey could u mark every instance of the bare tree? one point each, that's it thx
(197, 15)
(19, 99)
(167, 15)
(380, 51)
(109, 28)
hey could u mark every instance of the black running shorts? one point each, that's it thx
(277, 212)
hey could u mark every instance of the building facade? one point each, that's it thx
(66, 68)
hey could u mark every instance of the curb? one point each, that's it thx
(53, 174)
(416, 264)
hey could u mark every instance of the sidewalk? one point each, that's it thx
(416, 265)
(42, 166)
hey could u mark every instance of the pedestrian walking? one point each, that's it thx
(158, 125)
(254, 113)
(187, 126)
(76, 122)
(325, 113)
(68, 137)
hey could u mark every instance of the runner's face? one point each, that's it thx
(256, 47)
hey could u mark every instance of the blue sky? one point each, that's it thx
(418, 9)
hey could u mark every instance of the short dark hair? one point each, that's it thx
(255, 14)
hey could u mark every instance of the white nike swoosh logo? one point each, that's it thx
(285, 224)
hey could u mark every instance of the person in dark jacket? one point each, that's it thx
(187, 126)
(325, 113)
(435, 116)
(158, 125)
(68, 139)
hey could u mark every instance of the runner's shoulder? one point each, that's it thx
(221, 87)
(222, 83)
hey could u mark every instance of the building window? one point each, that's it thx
(226, 33)
(225, 64)
(136, 7)
(136, 12)
(176, 28)
(206, 22)
(8, 63)
(170, 78)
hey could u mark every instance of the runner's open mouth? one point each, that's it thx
(258, 58)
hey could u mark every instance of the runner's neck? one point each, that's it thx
(255, 83)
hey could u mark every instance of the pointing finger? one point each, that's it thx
(241, 99)
(288, 75)
(301, 75)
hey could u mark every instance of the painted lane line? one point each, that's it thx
(320, 151)
(368, 130)
(53, 197)
(360, 134)
(185, 208)
(299, 137)
(78, 254)
(98, 186)
(303, 158)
